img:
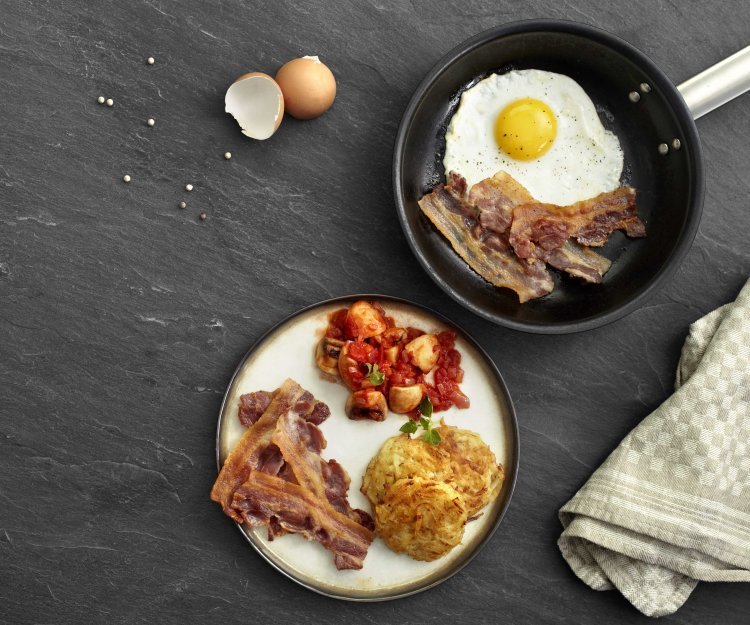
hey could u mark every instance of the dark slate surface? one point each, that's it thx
(122, 317)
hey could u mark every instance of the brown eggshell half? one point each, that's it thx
(308, 85)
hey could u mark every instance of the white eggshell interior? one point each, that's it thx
(255, 102)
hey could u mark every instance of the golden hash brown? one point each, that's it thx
(403, 457)
(476, 473)
(423, 518)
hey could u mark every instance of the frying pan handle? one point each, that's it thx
(718, 84)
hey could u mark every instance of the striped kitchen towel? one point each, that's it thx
(671, 505)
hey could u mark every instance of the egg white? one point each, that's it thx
(584, 160)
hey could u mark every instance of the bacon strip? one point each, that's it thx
(265, 498)
(590, 222)
(337, 486)
(485, 251)
(279, 455)
(254, 451)
(487, 211)
(300, 444)
(253, 405)
(496, 199)
(247, 453)
(578, 261)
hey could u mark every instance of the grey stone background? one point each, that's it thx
(122, 317)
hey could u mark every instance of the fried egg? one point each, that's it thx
(539, 127)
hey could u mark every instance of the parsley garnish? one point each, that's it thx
(409, 427)
(425, 407)
(430, 436)
(377, 377)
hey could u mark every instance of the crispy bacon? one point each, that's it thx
(246, 455)
(485, 251)
(279, 456)
(270, 460)
(252, 406)
(266, 499)
(498, 214)
(314, 411)
(251, 452)
(590, 222)
(578, 261)
(300, 444)
(337, 486)
(496, 199)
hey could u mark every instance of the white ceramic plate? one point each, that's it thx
(288, 351)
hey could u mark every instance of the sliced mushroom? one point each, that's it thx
(366, 319)
(393, 336)
(392, 342)
(348, 367)
(327, 355)
(366, 404)
(423, 351)
(403, 399)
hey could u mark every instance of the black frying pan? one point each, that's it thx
(635, 100)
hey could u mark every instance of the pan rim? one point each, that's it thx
(674, 100)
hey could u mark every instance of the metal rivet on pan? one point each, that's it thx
(676, 144)
(634, 96)
(645, 87)
(663, 148)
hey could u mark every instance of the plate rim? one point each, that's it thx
(514, 440)
(678, 106)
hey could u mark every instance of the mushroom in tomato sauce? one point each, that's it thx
(327, 355)
(379, 359)
(404, 399)
(366, 404)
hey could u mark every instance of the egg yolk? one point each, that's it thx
(525, 129)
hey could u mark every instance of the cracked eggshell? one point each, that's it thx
(256, 102)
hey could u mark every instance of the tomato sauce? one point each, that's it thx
(443, 390)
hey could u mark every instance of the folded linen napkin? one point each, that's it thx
(671, 505)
